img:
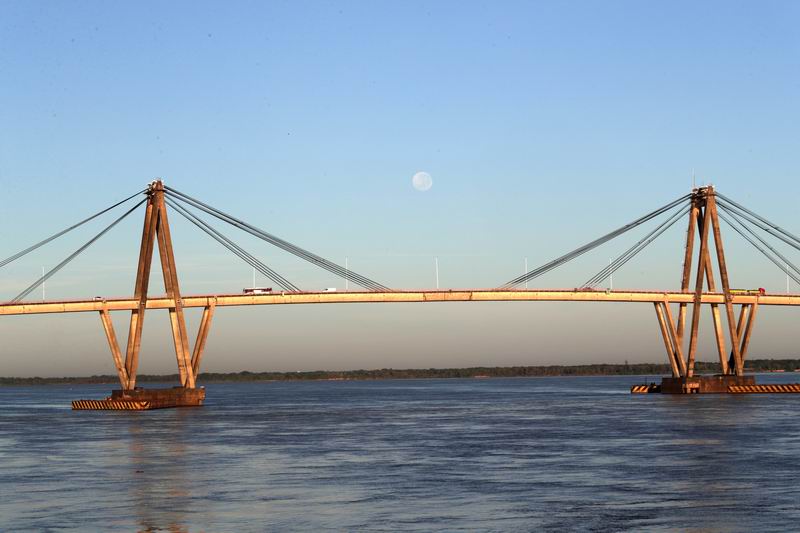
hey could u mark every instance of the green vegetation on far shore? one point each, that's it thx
(625, 369)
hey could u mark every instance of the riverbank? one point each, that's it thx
(605, 369)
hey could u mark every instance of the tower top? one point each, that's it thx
(155, 185)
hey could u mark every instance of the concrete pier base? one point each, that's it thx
(139, 399)
(715, 385)
(160, 398)
(704, 384)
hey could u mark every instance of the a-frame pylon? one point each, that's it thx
(156, 229)
(704, 222)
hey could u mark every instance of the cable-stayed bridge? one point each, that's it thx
(704, 283)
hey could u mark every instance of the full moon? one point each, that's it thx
(422, 181)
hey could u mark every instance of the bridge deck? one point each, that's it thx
(455, 295)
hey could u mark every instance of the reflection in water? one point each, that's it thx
(498, 454)
(160, 488)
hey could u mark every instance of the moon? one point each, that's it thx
(422, 181)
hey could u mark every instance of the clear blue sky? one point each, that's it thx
(543, 124)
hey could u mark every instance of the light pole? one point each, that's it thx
(610, 278)
(526, 272)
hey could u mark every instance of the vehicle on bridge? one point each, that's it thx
(750, 292)
(257, 290)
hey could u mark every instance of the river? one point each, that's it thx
(559, 454)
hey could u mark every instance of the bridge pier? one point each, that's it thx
(703, 218)
(704, 221)
(129, 396)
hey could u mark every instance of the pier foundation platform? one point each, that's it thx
(704, 384)
(716, 384)
(140, 399)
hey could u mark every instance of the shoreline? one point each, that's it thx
(598, 369)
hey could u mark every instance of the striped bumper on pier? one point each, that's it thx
(109, 405)
(751, 389)
(645, 389)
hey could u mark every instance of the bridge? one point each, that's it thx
(677, 313)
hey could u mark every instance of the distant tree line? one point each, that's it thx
(603, 369)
